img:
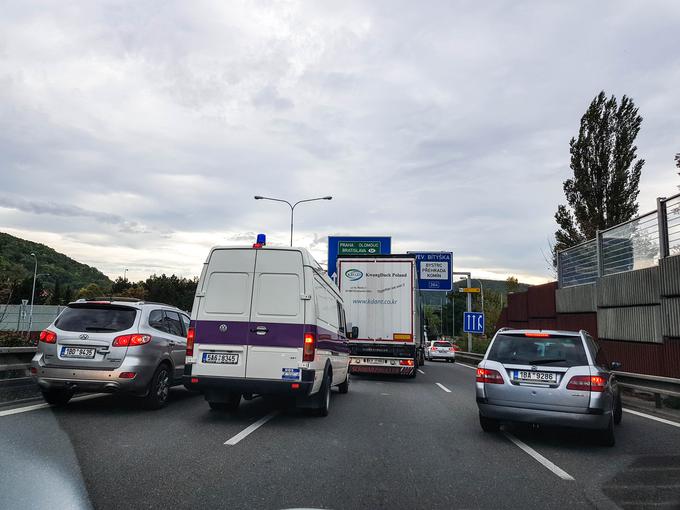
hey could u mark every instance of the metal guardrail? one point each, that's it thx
(635, 244)
(15, 363)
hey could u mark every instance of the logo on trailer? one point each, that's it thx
(354, 274)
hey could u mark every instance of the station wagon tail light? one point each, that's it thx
(488, 376)
(191, 333)
(47, 336)
(309, 348)
(433, 348)
(537, 335)
(131, 340)
(595, 383)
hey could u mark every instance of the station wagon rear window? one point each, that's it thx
(442, 344)
(96, 318)
(551, 351)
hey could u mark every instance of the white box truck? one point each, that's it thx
(382, 303)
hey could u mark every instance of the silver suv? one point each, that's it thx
(110, 346)
(548, 377)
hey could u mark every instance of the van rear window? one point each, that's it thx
(96, 318)
(554, 351)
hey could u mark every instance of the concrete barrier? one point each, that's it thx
(579, 299)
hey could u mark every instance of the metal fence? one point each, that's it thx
(635, 244)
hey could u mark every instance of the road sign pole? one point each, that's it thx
(469, 309)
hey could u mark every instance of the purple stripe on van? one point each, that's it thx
(278, 335)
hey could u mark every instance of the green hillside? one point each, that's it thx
(16, 269)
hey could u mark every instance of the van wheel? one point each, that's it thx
(159, 388)
(230, 406)
(325, 397)
(58, 397)
(618, 410)
(489, 424)
(344, 387)
(606, 436)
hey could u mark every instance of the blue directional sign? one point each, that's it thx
(352, 245)
(473, 322)
(434, 270)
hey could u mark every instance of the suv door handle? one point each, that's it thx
(260, 330)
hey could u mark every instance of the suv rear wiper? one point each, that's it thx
(544, 361)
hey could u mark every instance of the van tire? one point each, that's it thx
(489, 425)
(159, 388)
(58, 397)
(230, 406)
(344, 386)
(325, 397)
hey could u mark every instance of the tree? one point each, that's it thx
(511, 285)
(604, 189)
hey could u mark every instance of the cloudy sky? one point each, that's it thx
(135, 134)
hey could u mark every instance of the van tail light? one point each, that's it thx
(49, 337)
(488, 376)
(131, 340)
(191, 333)
(309, 349)
(595, 383)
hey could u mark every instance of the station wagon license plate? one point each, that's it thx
(224, 359)
(529, 376)
(77, 352)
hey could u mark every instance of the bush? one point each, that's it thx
(14, 339)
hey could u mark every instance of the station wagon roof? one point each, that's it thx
(555, 332)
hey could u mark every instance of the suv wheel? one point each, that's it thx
(159, 388)
(489, 424)
(58, 397)
(344, 387)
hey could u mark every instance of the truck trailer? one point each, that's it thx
(384, 316)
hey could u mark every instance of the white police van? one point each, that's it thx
(266, 321)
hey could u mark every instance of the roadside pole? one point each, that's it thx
(469, 309)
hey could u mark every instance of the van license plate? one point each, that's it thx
(528, 376)
(77, 352)
(225, 359)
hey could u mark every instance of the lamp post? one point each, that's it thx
(125, 274)
(35, 275)
(292, 207)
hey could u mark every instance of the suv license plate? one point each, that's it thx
(224, 359)
(529, 376)
(77, 352)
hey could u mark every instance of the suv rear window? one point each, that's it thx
(442, 344)
(96, 318)
(555, 351)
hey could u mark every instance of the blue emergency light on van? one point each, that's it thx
(261, 239)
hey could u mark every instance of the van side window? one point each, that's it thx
(173, 323)
(327, 307)
(156, 321)
(341, 323)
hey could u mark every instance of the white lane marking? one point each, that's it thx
(650, 417)
(250, 429)
(443, 387)
(466, 366)
(539, 458)
(419, 370)
(35, 407)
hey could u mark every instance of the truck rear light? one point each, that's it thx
(191, 333)
(127, 375)
(406, 362)
(131, 340)
(595, 383)
(309, 349)
(47, 336)
(488, 376)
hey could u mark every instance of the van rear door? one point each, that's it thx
(222, 323)
(277, 319)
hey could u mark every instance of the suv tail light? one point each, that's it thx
(488, 376)
(309, 348)
(191, 333)
(47, 336)
(131, 340)
(595, 383)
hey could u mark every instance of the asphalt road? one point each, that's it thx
(390, 443)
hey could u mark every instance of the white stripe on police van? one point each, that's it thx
(250, 429)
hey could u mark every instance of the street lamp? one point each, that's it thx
(35, 275)
(125, 274)
(292, 207)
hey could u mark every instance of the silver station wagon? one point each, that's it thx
(549, 378)
(120, 345)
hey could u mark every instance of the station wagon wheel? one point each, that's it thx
(607, 435)
(618, 410)
(159, 388)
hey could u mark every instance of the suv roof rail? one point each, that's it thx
(506, 328)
